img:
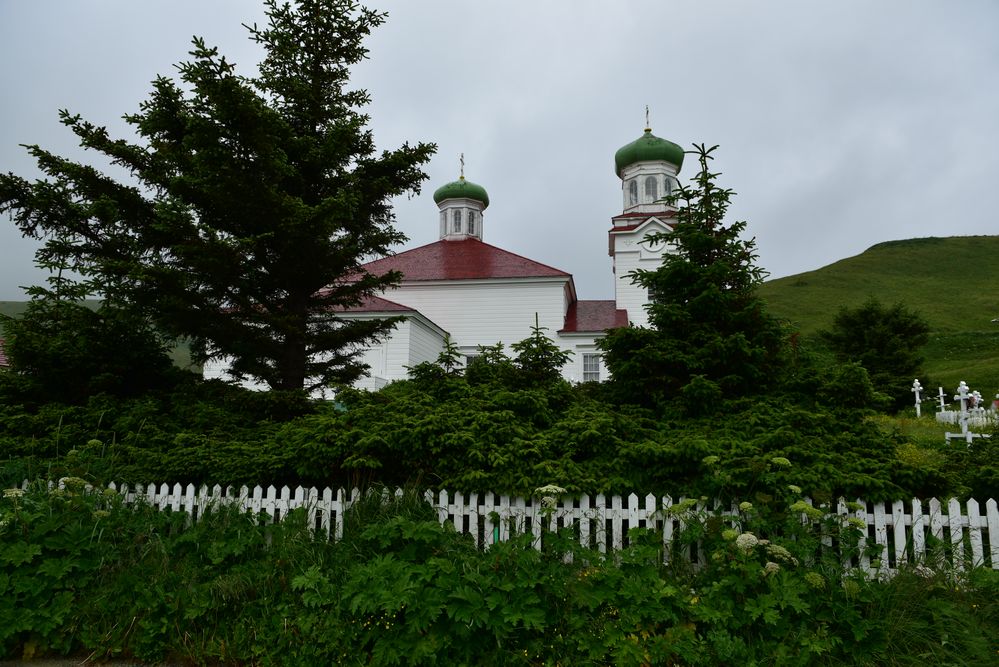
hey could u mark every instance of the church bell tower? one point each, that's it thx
(648, 169)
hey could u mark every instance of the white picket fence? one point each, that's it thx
(977, 418)
(909, 533)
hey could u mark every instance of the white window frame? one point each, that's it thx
(591, 367)
(651, 189)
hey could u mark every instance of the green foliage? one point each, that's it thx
(257, 201)
(885, 341)
(83, 575)
(706, 320)
(539, 359)
(198, 432)
(65, 352)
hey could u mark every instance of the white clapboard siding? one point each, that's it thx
(895, 535)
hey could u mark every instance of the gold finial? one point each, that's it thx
(648, 127)
(461, 160)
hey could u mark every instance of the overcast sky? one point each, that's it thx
(840, 124)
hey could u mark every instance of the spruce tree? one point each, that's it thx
(710, 336)
(252, 203)
(884, 340)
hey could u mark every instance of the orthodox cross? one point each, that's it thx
(461, 160)
(916, 388)
(963, 396)
(647, 126)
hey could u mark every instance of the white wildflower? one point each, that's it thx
(780, 553)
(746, 541)
(781, 461)
(13, 493)
(745, 506)
(770, 568)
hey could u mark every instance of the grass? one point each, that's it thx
(952, 282)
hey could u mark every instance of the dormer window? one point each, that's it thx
(651, 189)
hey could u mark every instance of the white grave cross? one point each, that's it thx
(963, 396)
(916, 388)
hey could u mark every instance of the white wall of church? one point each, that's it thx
(631, 254)
(628, 295)
(411, 342)
(485, 313)
(581, 345)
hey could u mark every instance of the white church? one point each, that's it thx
(477, 294)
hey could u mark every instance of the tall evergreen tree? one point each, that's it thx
(710, 335)
(253, 201)
(884, 340)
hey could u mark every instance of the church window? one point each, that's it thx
(456, 217)
(632, 192)
(591, 368)
(471, 222)
(443, 223)
(667, 186)
(651, 193)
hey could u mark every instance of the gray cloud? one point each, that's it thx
(841, 125)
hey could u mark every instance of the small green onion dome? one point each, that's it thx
(461, 189)
(648, 148)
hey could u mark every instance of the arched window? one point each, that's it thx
(632, 192)
(456, 217)
(667, 186)
(471, 222)
(651, 190)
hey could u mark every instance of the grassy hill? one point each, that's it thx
(953, 282)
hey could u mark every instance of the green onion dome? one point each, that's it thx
(648, 148)
(462, 189)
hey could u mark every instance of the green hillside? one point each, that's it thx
(953, 282)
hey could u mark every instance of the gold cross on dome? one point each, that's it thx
(461, 160)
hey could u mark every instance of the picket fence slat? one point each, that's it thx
(992, 521)
(906, 533)
(918, 531)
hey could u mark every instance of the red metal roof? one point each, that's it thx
(642, 214)
(594, 316)
(469, 259)
(376, 304)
